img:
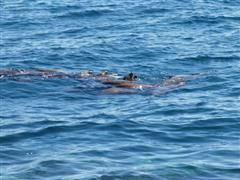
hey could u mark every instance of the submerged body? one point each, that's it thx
(116, 84)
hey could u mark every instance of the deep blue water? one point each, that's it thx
(65, 129)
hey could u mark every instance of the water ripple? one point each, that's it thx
(66, 128)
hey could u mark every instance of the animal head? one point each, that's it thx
(130, 77)
(86, 74)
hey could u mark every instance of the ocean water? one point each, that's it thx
(63, 128)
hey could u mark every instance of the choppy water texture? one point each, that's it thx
(64, 129)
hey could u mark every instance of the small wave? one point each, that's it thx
(30, 125)
(22, 24)
(51, 163)
(154, 10)
(45, 131)
(8, 116)
(215, 124)
(75, 31)
(207, 19)
(210, 58)
(128, 176)
(86, 13)
(215, 121)
(49, 168)
(235, 92)
(235, 18)
(203, 19)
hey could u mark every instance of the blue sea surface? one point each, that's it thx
(62, 128)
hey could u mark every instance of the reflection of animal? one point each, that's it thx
(33, 72)
(118, 84)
